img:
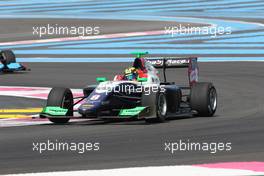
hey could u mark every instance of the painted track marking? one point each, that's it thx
(20, 110)
(13, 116)
(186, 170)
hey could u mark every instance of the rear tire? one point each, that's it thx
(63, 98)
(7, 57)
(203, 99)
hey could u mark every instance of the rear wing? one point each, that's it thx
(173, 62)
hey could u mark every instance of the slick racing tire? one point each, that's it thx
(7, 57)
(63, 98)
(161, 108)
(203, 99)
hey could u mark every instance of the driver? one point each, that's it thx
(130, 74)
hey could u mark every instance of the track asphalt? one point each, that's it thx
(239, 120)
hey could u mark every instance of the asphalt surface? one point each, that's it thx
(19, 102)
(239, 120)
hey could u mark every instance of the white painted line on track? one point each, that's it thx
(106, 36)
(35, 93)
(154, 171)
(117, 35)
(31, 92)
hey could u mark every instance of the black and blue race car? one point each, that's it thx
(137, 95)
(8, 62)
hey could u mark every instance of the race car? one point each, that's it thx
(8, 62)
(139, 93)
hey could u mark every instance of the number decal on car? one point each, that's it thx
(95, 97)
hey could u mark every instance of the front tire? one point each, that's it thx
(161, 108)
(203, 99)
(61, 97)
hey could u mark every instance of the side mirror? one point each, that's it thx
(101, 79)
(142, 79)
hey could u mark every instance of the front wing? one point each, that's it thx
(138, 112)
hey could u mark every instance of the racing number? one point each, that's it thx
(95, 97)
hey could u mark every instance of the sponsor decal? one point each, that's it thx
(194, 75)
(86, 106)
(131, 112)
(169, 61)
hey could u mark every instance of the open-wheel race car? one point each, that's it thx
(139, 93)
(8, 62)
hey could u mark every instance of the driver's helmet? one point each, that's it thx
(130, 74)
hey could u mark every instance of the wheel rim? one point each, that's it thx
(66, 102)
(213, 99)
(162, 104)
(63, 102)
